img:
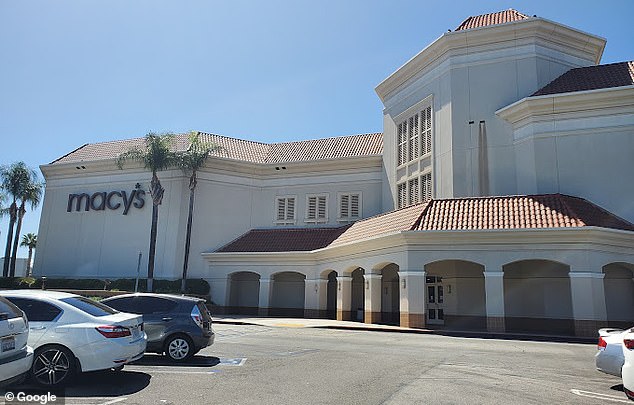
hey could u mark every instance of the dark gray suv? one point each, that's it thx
(177, 326)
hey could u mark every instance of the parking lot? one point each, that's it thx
(252, 364)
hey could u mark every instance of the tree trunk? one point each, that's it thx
(13, 208)
(28, 263)
(16, 240)
(156, 191)
(188, 235)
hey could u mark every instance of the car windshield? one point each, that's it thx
(89, 306)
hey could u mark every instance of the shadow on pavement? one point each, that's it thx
(617, 387)
(196, 361)
(105, 383)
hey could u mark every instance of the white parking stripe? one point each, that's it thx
(597, 395)
(114, 401)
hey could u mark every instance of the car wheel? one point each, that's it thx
(179, 348)
(53, 366)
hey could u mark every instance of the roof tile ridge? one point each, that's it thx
(600, 208)
(416, 224)
(563, 199)
(233, 138)
(327, 138)
(388, 213)
(69, 153)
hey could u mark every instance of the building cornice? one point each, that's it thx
(219, 165)
(569, 40)
(600, 101)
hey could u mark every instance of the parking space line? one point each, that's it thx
(597, 395)
(114, 401)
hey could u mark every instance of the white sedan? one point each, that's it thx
(628, 366)
(15, 356)
(609, 357)
(72, 334)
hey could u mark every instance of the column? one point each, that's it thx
(344, 298)
(372, 304)
(412, 299)
(314, 305)
(265, 297)
(494, 290)
(588, 302)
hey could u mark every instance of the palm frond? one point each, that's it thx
(197, 152)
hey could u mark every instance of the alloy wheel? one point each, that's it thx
(178, 348)
(51, 367)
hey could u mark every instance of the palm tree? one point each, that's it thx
(32, 194)
(157, 155)
(14, 179)
(190, 162)
(29, 240)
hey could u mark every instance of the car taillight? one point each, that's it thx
(197, 317)
(113, 331)
(629, 343)
(602, 343)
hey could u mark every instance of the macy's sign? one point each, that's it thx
(112, 200)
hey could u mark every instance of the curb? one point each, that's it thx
(442, 332)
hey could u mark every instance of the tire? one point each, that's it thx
(179, 348)
(53, 366)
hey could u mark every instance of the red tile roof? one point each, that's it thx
(516, 212)
(591, 78)
(249, 151)
(484, 20)
(283, 240)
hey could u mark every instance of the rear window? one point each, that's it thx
(8, 310)
(89, 306)
(35, 310)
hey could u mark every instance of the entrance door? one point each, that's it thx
(435, 300)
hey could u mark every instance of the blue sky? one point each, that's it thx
(75, 72)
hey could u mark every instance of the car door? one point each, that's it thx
(157, 317)
(42, 317)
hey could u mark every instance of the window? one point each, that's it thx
(414, 192)
(425, 179)
(285, 210)
(317, 208)
(413, 136)
(37, 311)
(89, 306)
(153, 305)
(8, 310)
(402, 195)
(349, 206)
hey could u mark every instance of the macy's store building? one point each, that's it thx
(475, 208)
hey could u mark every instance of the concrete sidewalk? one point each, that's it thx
(348, 325)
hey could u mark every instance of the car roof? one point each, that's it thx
(37, 294)
(168, 296)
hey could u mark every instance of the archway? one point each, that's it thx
(287, 294)
(331, 296)
(455, 295)
(244, 293)
(618, 286)
(357, 297)
(390, 295)
(537, 297)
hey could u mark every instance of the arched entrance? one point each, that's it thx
(618, 286)
(287, 294)
(537, 297)
(357, 297)
(244, 293)
(331, 296)
(390, 298)
(455, 295)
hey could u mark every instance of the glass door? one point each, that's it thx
(435, 300)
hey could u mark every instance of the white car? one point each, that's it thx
(609, 357)
(15, 356)
(71, 334)
(628, 365)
